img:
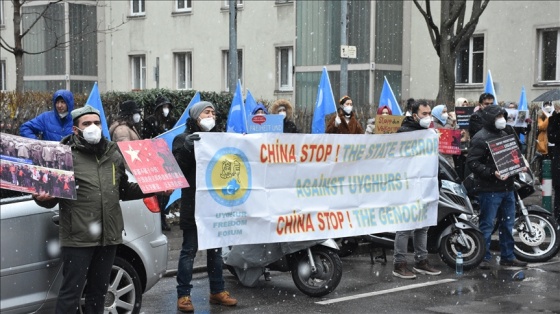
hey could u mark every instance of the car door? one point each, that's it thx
(30, 263)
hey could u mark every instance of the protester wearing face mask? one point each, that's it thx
(161, 121)
(344, 122)
(201, 119)
(494, 191)
(88, 255)
(285, 108)
(260, 110)
(123, 128)
(52, 125)
(420, 119)
(441, 118)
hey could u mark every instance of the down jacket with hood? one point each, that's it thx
(480, 159)
(289, 125)
(49, 125)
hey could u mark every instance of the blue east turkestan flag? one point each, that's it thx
(185, 115)
(168, 137)
(388, 99)
(522, 106)
(250, 104)
(489, 87)
(324, 105)
(237, 119)
(94, 100)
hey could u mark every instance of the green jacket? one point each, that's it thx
(95, 217)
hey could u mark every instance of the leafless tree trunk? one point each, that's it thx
(448, 38)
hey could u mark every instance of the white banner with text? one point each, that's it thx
(276, 187)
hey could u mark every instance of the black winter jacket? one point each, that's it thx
(553, 133)
(183, 152)
(480, 159)
(409, 125)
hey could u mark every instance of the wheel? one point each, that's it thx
(471, 257)
(125, 290)
(543, 245)
(346, 246)
(327, 276)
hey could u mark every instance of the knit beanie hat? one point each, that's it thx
(197, 108)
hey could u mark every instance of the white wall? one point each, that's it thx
(205, 32)
(510, 32)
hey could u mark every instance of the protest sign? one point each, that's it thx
(506, 155)
(388, 124)
(463, 115)
(449, 141)
(35, 166)
(153, 165)
(276, 187)
(517, 118)
(270, 123)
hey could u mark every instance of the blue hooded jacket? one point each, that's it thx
(259, 107)
(48, 124)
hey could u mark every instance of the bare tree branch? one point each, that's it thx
(6, 46)
(433, 30)
(38, 17)
(469, 28)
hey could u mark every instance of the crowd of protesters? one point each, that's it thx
(80, 130)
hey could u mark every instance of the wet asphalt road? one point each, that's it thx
(367, 288)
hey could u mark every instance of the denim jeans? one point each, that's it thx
(501, 204)
(186, 259)
(93, 264)
(420, 240)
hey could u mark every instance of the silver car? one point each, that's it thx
(31, 268)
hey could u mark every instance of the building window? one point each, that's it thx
(225, 57)
(138, 67)
(183, 5)
(284, 1)
(284, 56)
(239, 3)
(183, 70)
(549, 58)
(137, 7)
(1, 12)
(2, 75)
(470, 61)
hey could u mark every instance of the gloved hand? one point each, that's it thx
(189, 141)
(337, 121)
(528, 120)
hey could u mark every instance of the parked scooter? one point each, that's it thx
(315, 266)
(453, 233)
(535, 231)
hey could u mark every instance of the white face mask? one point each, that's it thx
(347, 109)
(425, 122)
(136, 117)
(500, 123)
(444, 116)
(282, 113)
(547, 109)
(92, 134)
(165, 112)
(207, 124)
(63, 115)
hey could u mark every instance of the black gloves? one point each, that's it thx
(189, 141)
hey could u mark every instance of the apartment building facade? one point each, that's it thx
(282, 48)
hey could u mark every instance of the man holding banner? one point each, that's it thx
(201, 119)
(494, 190)
(421, 119)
